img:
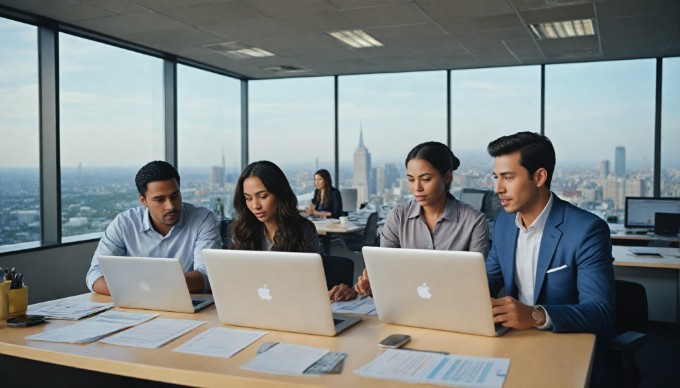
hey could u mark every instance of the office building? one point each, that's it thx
(361, 170)
(604, 170)
(614, 191)
(620, 162)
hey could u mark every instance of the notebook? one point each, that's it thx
(150, 283)
(444, 290)
(273, 290)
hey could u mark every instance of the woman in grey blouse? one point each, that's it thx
(434, 219)
(268, 219)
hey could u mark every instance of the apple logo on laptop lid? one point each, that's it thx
(144, 286)
(424, 291)
(263, 292)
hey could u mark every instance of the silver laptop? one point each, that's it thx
(273, 290)
(444, 290)
(150, 283)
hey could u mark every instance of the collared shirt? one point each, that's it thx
(528, 245)
(131, 234)
(460, 228)
(526, 257)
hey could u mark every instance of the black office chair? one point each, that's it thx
(630, 324)
(369, 237)
(338, 270)
(225, 232)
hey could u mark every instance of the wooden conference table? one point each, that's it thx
(537, 357)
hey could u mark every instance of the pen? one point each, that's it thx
(427, 351)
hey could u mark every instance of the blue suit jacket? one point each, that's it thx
(574, 273)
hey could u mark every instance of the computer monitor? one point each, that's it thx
(641, 211)
(349, 199)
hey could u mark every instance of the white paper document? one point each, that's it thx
(69, 310)
(220, 342)
(433, 368)
(93, 329)
(153, 334)
(364, 306)
(286, 359)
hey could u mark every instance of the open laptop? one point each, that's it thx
(273, 290)
(150, 283)
(444, 290)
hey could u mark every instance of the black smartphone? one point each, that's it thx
(25, 320)
(395, 341)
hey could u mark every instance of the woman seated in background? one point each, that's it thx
(327, 201)
(268, 219)
(434, 219)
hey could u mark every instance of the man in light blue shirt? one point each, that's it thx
(163, 226)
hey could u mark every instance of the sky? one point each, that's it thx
(111, 106)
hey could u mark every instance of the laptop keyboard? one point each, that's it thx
(337, 321)
(196, 302)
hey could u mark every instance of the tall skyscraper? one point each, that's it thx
(360, 170)
(604, 170)
(614, 191)
(620, 162)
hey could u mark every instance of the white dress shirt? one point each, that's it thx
(528, 246)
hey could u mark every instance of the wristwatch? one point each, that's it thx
(537, 316)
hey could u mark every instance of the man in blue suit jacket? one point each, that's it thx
(554, 259)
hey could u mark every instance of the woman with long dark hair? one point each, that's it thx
(268, 218)
(327, 201)
(434, 219)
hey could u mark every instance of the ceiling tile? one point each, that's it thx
(118, 7)
(571, 12)
(389, 15)
(170, 4)
(74, 12)
(464, 9)
(524, 5)
(349, 4)
(280, 8)
(213, 13)
(130, 24)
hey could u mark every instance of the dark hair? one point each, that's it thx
(328, 183)
(535, 150)
(157, 170)
(247, 229)
(438, 155)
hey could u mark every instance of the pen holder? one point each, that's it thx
(4, 288)
(17, 301)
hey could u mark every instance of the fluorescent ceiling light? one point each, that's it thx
(238, 50)
(355, 38)
(565, 29)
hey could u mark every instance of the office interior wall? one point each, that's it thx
(53, 273)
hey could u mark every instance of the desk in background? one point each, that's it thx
(526, 350)
(333, 226)
(659, 275)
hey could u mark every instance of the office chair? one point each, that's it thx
(630, 324)
(369, 237)
(225, 232)
(338, 270)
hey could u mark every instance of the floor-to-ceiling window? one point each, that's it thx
(600, 118)
(291, 123)
(111, 114)
(19, 131)
(382, 117)
(670, 128)
(208, 137)
(487, 104)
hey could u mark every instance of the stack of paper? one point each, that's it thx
(433, 368)
(286, 359)
(93, 329)
(365, 306)
(154, 334)
(69, 310)
(220, 342)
